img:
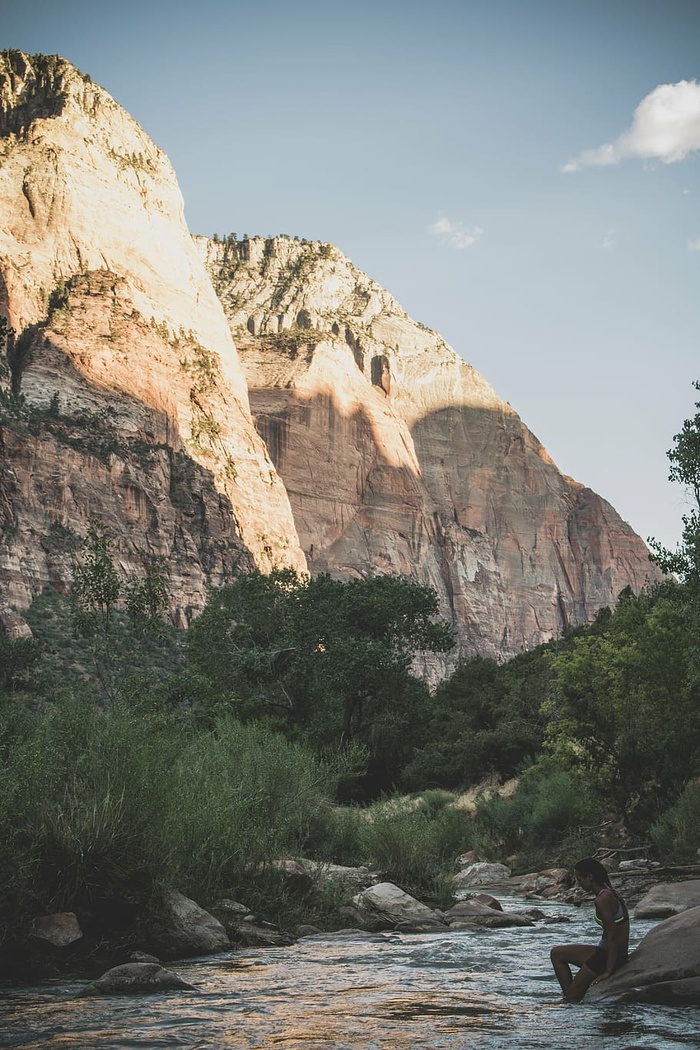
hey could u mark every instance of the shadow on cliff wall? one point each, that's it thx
(486, 490)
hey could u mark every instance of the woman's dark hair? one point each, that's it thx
(593, 868)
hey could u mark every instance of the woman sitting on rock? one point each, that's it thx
(595, 963)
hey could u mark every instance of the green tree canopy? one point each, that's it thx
(327, 659)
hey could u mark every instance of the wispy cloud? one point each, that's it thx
(694, 246)
(609, 240)
(455, 234)
(665, 127)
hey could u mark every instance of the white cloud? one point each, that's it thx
(454, 233)
(694, 246)
(665, 127)
(609, 240)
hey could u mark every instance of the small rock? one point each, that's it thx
(421, 926)
(60, 929)
(142, 957)
(488, 900)
(306, 930)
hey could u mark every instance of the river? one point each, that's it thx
(489, 989)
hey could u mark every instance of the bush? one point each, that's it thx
(675, 833)
(101, 807)
(545, 814)
(411, 841)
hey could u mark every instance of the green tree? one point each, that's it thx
(485, 720)
(323, 658)
(684, 457)
(146, 597)
(625, 710)
(96, 585)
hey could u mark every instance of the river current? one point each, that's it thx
(490, 989)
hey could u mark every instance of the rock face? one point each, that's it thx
(138, 408)
(375, 448)
(399, 457)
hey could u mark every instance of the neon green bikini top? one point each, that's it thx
(621, 915)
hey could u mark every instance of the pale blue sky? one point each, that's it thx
(427, 140)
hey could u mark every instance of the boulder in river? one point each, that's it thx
(664, 968)
(392, 905)
(668, 898)
(245, 931)
(474, 912)
(136, 978)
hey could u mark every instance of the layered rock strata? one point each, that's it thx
(399, 457)
(119, 342)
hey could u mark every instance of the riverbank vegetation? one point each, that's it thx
(288, 721)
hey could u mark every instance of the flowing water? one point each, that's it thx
(463, 989)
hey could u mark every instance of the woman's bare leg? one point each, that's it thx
(563, 957)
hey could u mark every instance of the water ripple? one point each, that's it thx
(490, 989)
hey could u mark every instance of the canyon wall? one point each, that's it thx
(399, 457)
(226, 405)
(118, 337)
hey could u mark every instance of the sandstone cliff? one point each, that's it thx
(399, 457)
(395, 455)
(136, 408)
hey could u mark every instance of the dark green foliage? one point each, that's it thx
(96, 585)
(485, 719)
(18, 663)
(548, 810)
(675, 833)
(328, 660)
(626, 705)
(684, 457)
(100, 807)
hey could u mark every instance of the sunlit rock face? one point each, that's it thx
(118, 326)
(399, 457)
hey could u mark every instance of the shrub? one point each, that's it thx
(675, 833)
(546, 811)
(100, 807)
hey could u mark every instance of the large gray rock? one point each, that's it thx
(186, 929)
(666, 964)
(481, 874)
(668, 898)
(245, 931)
(471, 913)
(394, 905)
(136, 978)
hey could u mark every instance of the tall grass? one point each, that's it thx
(411, 841)
(101, 807)
(540, 821)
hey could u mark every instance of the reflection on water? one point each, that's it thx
(466, 989)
